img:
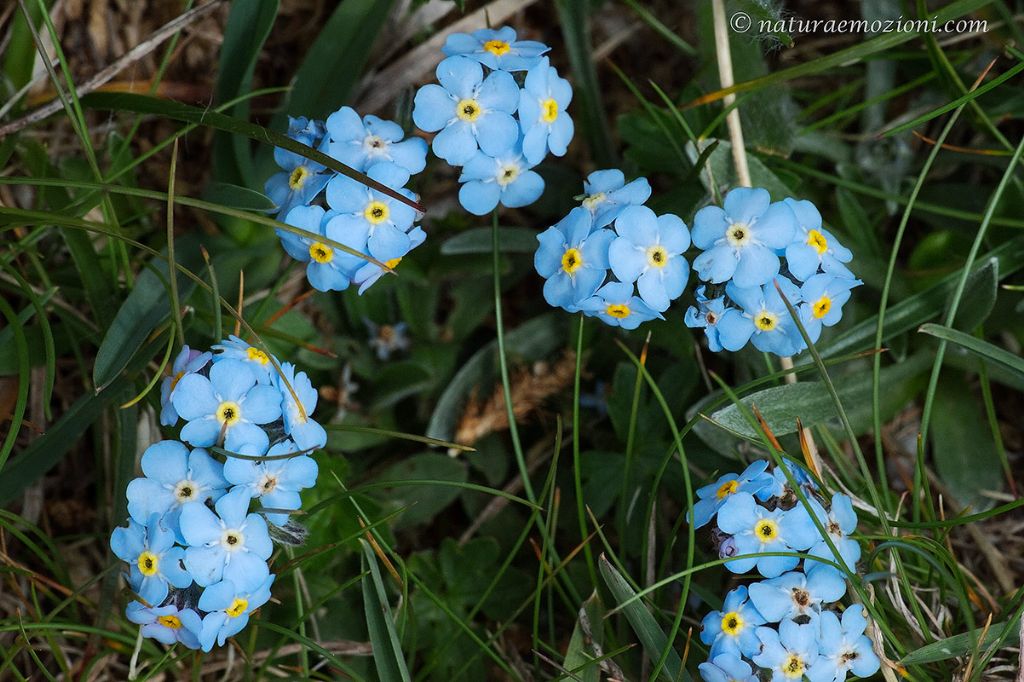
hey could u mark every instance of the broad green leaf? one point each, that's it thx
(479, 240)
(587, 638)
(423, 502)
(387, 649)
(723, 172)
(979, 296)
(977, 346)
(957, 645)
(643, 623)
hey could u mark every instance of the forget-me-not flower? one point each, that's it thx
(276, 482)
(782, 487)
(762, 318)
(754, 480)
(386, 339)
(573, 258)
(235, 348)
(228, 607)
(496, 48)
(188, 361)
(649, 251)
(542, 117)
(796, 594)
(173, 477)
(468, 111)
(733, 629)
(154, 561)
(389, 253)
(615, 305)
(789, 653)
(362, 142)
(839, 521)
(844, 648)
(606, 194)
(756, 530)
(229, 402)
(166, 624)
(706, 315)
(298, 414)
(823, 298)
(727, 668)
(367, 216)
(301, 180)
(328, 268)
(813, 246)
(740, 240)
(506, 178)
(229, 545)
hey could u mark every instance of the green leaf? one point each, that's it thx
(977, 346)
(387, 649)
(478, 240)
(581, 655)
(423, 502)
(723, 172)
(646, 628)
(957, 645)
(235, 196)
(979, 296)
(249, 23)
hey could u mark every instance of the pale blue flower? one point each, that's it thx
(154, 562)
(649, 251)
(368, 217)
(796, 594)
(839, 521)
(740, 240)
(814, 247)
(188, 361)
(727, 668)
(706, 315)
(389, 253)
(606, 194)
(803, 479)
(733, 629)
(754, 480)
(823, 299)
(615, 305)
(234, 348)
(229, 545)
(844, 648)
(542, 117)
(228, 606)
(301, 180)
(328, 268)
(573, 258)
(386, 339)
(276, 482)
(496, 48)
(362, 142)
(507, 178)
(789, 653)
(762, 318)
(166, 624)
(298, 415)
(757, 530)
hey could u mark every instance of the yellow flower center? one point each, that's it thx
(237, 607)
(497, 47)
(232, 540)
(766, 530)
(321, 253)
(268, 484)
(468, 110)
(592, 201)
(732, 623)
(298, 178)
(822, 306)
(376, 212)
(793, 667)
(617, 310)
(549, 110)
(172, 622)
(186, 491)
(817, 240)
(256, 355)
(738, 234)
(657, 257)
(229, 412)
(766, 321)
(572, 260)
(148, 563)
(727, 489)
(508, 175)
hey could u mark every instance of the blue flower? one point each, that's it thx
(276, 482)
(756, 529)
(362, 142)
(188, 362)
(327, 267)
(813, 246)
(154, 561)
(228, 545)
(615, 305)
(229, 402)
(844, 648)
(762, 315)
(369, 218)
(506, 178)
(649, 251)
(606, 194)
(234, 348)
(803, 479)
(740, 241)
(298, 416)
(733, 629)
(727, 668)
(789, 653)
(228, 607)
(796, 594)
(542, 104)
(301, 180)
(386, 339)
(470, 111)
(166, 624)
(496, 48)
(573, 258)
(173, 477)
(389, 253)
(754, 480)
(839, 522)
(824, 296)
(706, 315)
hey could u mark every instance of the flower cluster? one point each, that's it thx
(197, 556)
(754, 253)
(612, 257)
(489, 125)
(366, 221)
(788, 625)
